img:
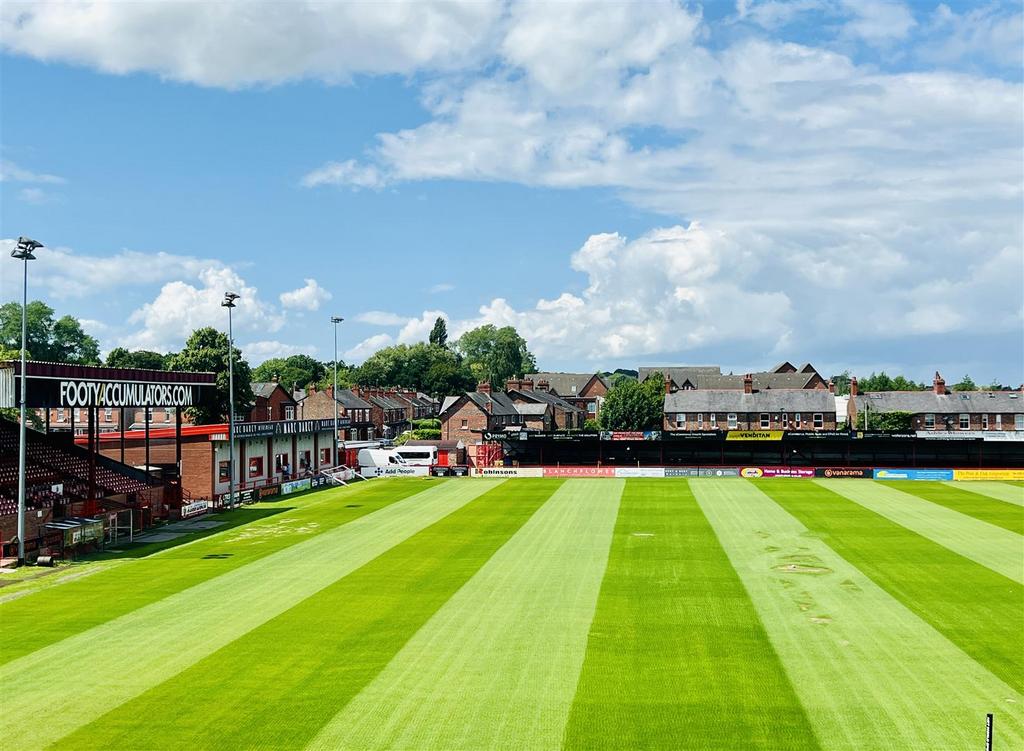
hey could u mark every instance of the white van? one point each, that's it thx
(385, 463)
(418, 456)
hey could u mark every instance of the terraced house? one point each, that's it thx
(785, 375)
(583, 390)
(749, 408)
(466, 416)
(940, 409)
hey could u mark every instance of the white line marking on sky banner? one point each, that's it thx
(497, 666)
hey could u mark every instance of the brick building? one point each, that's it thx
(272, 402)
(562, 415)
(785, 375)
(466, 416)
(939, 409)
(356, 412)
(748, 409)
(583, 390)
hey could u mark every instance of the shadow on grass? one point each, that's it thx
(230, 519)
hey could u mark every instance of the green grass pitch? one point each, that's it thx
(540, 614)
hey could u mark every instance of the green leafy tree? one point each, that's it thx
(884, 382)
(119, 357)
(496, 354)
(207, 350)
(888, 421)
(49, 340)
(295, 370)
(634, 406)
(965, 384)
(439, 334)
(842, 383)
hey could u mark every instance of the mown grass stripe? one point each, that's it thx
(303, 676)
(974, 607)
(497, 666)
(174, 633)
(960, 499)
(677, 656)
(994, 547)
(869, 672)
(54, 613)
(1007, 492)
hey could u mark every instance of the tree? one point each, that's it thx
(62, 340)
(966, 384)
(119, 357)
(883, 382)
(439, 334)
(207, 350)
(634, 406)
(295, 370)
(496, 354)
(431, 368)
(896, 421)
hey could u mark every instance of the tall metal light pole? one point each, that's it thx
(23, 252)
(229, 303)
(336, 320)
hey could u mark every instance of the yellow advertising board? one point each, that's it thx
(988, 474)
(754, 435)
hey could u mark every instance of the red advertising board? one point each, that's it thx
(777, 472)
(579, 471)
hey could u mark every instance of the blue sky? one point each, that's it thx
(738, 183)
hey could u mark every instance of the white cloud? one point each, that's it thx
(878, 21)
(348, 173)
(11, 172)
(381, 318)
(367, 347)
(988, 33)
(257, 352)
(232, 44)
(441, 287)
(308, 297)
(34, 195)
(180, 307)
(418, 329)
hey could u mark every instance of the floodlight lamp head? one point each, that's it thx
(337, 319)
(23, 250)
(229, 299)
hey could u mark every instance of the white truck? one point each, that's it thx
(387, 463)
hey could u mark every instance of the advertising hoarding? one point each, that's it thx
(639, 471)
(843, 472)
(754, 435)
(913, 474)
(295, 486)
(988, 474)
(579, 472)
(508, 472)
(801, 472)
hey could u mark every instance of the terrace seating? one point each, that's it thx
(48, 464)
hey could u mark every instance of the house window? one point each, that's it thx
(222, 472)
(819, 420)
(325, 457)
(1018, 422)
(60, 414)
(304, 459)
(984, 422)
(167, 414)
(929, 421)
(785, 419)
(965, 422)
(700, 421)
(281, 462)
(591, 408)
(108, 414)
(149, 414)
(731, 421)
(289, 413)
(680, 419)
(999, 422)
(797, 421)
(256, 466)
(714, 420)
(766, 421)
(465, 424)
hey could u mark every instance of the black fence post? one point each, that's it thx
(988, 732)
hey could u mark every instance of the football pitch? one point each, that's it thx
(542, 614)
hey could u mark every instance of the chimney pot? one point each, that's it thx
(484, 387)
(748, 384)
(831, 386)
(939, 385)
(853, 386)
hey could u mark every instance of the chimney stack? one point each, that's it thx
(542, 385)
(939, 385)
(668, 385)
(484, 387)
(831, 386)
(748, 384)
(273, 378)
(330, 392)
(853, 386)
(311, 388)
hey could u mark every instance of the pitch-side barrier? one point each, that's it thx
(866, 473)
